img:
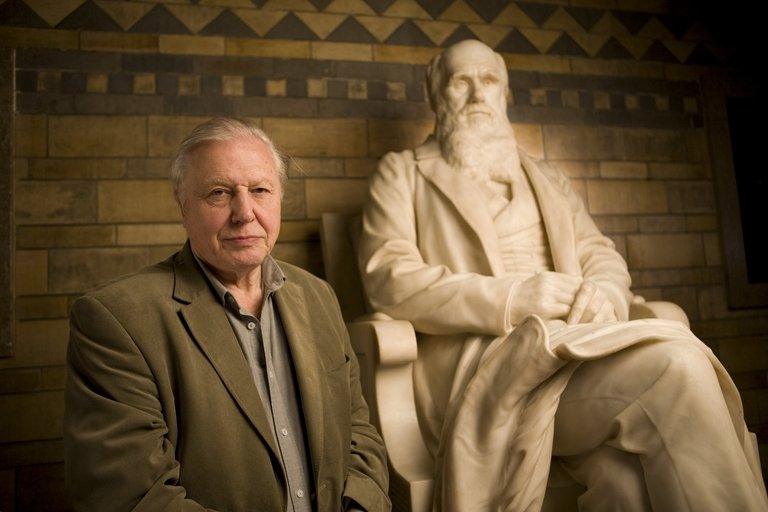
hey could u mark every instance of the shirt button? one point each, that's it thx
(300, 493)
(284, 431)
(271, 374)
(251, 326)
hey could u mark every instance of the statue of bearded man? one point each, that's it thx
(526, 353)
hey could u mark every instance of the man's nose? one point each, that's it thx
(242, 209)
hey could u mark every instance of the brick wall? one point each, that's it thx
(607, 89)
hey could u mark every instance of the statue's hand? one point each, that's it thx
(591, 305)
(548, 294)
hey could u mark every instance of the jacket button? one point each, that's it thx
(300, 493)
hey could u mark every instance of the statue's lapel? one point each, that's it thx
(554, 213)
(466, 198)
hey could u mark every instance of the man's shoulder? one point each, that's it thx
(301, 277)
(150, 283)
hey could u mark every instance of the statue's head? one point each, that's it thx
(468, 81)
(468, 90)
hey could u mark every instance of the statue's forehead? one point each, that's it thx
(470, 59)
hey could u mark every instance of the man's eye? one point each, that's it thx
(218, 192)
(488, 80)
(260, 190)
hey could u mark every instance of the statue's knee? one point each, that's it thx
(683, 360)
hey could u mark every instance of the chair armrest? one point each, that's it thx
(657, 309)
(386, 350)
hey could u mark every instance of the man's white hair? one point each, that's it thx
(220, 129)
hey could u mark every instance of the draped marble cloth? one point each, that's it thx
(487, 401)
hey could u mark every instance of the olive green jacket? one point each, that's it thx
(162, 412)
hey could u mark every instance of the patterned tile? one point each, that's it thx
(655, 29)
(53, 11)
(89, 16)
(194, 17)
(488, 9)
(437, 31)
(255, 86)
(613, 49)
(320, 23)
(320, 4)
(678, 25)
(260, 21)
(658, 52)
(680, 49)
(349, 7)
(460, 34)
(379, 26)
(351, 31)
(562, 20)
(120, 83)
(702, 56)
(632, 20)
(409, 34)
(460, 11)
(159, 21)
(565, 45)
(512, 15)
(539, 13)
(17, 13)
(126, 14)
(227, 24)
(541, 39)
(434, 7)
(379, 5)
(516, 42)
(407, 9)
(585, 16)
(491, 35)
(291, 27)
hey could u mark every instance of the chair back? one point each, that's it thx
(339, 235)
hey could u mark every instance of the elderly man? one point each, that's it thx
(219, 379)
(521, 309)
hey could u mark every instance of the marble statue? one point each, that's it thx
(526, 353)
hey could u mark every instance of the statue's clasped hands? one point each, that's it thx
(557, 295)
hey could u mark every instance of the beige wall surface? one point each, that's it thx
(608, 90)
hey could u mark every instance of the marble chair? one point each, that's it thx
(387, 349)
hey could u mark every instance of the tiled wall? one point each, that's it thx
(607, 89)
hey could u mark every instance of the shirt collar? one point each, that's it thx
(272, 278)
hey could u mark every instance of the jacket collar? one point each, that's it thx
(209, 327)
(468, 200)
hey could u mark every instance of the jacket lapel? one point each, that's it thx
(553, 207)
(208, 325)
(302, 336)
(465, 197)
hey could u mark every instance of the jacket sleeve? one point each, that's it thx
(400, 283)
(596, 253)
(367, 475)
(117, 454)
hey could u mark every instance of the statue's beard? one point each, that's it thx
(481, 146)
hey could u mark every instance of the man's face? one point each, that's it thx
(474, 91)
(230, 204)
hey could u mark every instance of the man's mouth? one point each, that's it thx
(242, 240)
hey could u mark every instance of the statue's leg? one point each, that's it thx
(661, 401)
(613, 478)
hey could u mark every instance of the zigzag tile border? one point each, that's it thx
(526, 28)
